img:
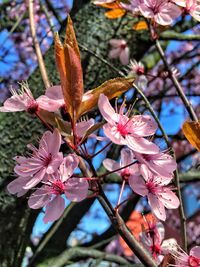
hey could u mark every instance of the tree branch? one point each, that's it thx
(37, 46)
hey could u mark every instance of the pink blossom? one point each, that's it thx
(137, 70)
(152, 239)
(119, 50)
(58, 185)
(161, 11)
(53, 99)
(161, 163)
(122, 130)
(158, 193)
(191, 7)
(184, 260)
(127, 173)
(82, 127)
(44, 161)
(22, 101)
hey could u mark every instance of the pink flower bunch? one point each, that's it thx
(47, 168)
(146, 182)
(152, 170)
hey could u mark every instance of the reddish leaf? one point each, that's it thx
(70, 70)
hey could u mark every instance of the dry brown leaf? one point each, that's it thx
(140, 26)
(191, 130)
(115, 13)
(111, 88)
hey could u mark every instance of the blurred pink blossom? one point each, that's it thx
(119, 49)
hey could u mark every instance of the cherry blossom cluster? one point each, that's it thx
(152, 170)
(149, 174)
(50, 174)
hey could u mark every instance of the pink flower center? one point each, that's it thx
(146, 157)
(193, 261)
(156, 250)
(33, 107)
(140, 71)
(122, 128)
(123, 46)
(58, 187)
(125, 174)
(47, 160)
(151, 187)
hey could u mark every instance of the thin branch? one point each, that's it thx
(37, 46)
(117, 221)
(176, 83)
(84, 253)
(172, 35)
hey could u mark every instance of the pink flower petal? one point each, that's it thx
(113, 134)
(157, 207)
(54, 163)
(124, 56)
(54, 209)
(39, 198)
(83, 126)
(16, 186)
(127, 157)
(143, 125)
(55, 93)
(69, 164)
(54, 142)
(107, 110)
(195, 252)
(76, 189)
(16, 103)
(138, 185)
(141, 145)
(114, 53)
(117, 42)
(36, 179)
(169, 200)
(48, 104)
(111, 165)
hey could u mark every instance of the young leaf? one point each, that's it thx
(191, 130)
(69, 66)
(111, 88)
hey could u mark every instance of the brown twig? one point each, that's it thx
(37, 46)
